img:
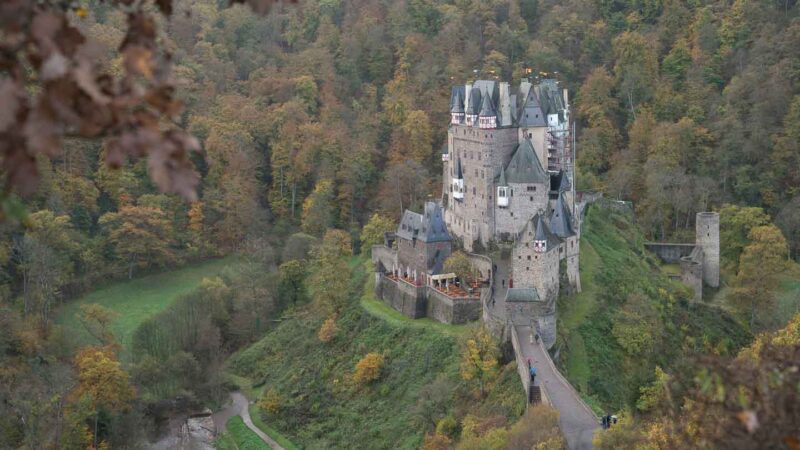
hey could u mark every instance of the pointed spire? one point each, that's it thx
(459, 173)
(502, 181)
(457, 100)
(561, 219)
(487, 107)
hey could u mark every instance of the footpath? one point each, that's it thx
(239, 407)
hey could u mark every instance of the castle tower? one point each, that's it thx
(458, 182)
(707, 238)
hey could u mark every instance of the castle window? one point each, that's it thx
(531, 198)
(530, 135)
(536, 257)
(479, 155)
(473, 191)
(529, 257)
(512, 213)
(561, 250)
(532, 188)
(527, 244)
(528, 268)
(519, 257)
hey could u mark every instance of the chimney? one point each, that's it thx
(505, 106)
(467, 95)
(566, 99)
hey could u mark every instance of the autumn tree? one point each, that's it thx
(318, 209)
(102, 380)
(762, 260)
(459, 264)
(373, 231)
(330, 274)
(96, 320)
(141, 236)
(292, 275)
(479, 358)
(735, 223)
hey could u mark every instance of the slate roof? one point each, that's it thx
(559, 181)
(550, 98)
(457, 99)
(561, 219)
(501, 181)
(525, 167)
(487, 107)
(474, 106)
(427, 227)
(518, 295)
(459, 172)
(536, 229)
(531, 114)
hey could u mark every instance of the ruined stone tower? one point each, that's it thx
(707, 238)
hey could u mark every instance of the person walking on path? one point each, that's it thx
(533, 375)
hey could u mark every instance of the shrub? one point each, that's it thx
(436, 442)
(328, 330)
(368, 369)
(270, 401)
(447, 426)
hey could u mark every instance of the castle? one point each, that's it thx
(508, 183)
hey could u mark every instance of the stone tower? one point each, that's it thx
(707, 238)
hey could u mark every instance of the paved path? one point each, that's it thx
(239, 407)
(577, 421)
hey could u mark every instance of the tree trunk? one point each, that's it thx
(294, 196)
(130, 268)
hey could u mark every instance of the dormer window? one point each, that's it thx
(502, 196)
(539, 246)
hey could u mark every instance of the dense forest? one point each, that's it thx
(321, 113)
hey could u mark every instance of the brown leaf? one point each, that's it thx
(139, 60)
(11, 101)
(165, 6)
(55, 66)
(85, 78)
(749, 420)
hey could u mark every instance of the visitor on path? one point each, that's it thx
(533, 375)
(529, 364)
(537, 338)
(604, 422)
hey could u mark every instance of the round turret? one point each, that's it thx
(707, 238)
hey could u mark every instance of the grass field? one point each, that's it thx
(238, 437)
(140, 298)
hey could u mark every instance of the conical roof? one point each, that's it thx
(459, 173)
(536, 229)
(502, 180)
(561, 219)
(457, 99)
(525, 167)
(474, 106)
(540, 234)
(487, 107)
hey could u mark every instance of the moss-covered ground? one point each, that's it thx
(616, 268)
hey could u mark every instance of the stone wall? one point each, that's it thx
(522, 205)
(707, 237)
(692, 272)
(670, 253)
(542, 315)
(482, 153)
(452, 310)
(386, 256)
(403, 297)
(537, 270)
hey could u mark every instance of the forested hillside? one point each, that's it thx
(318, 114)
